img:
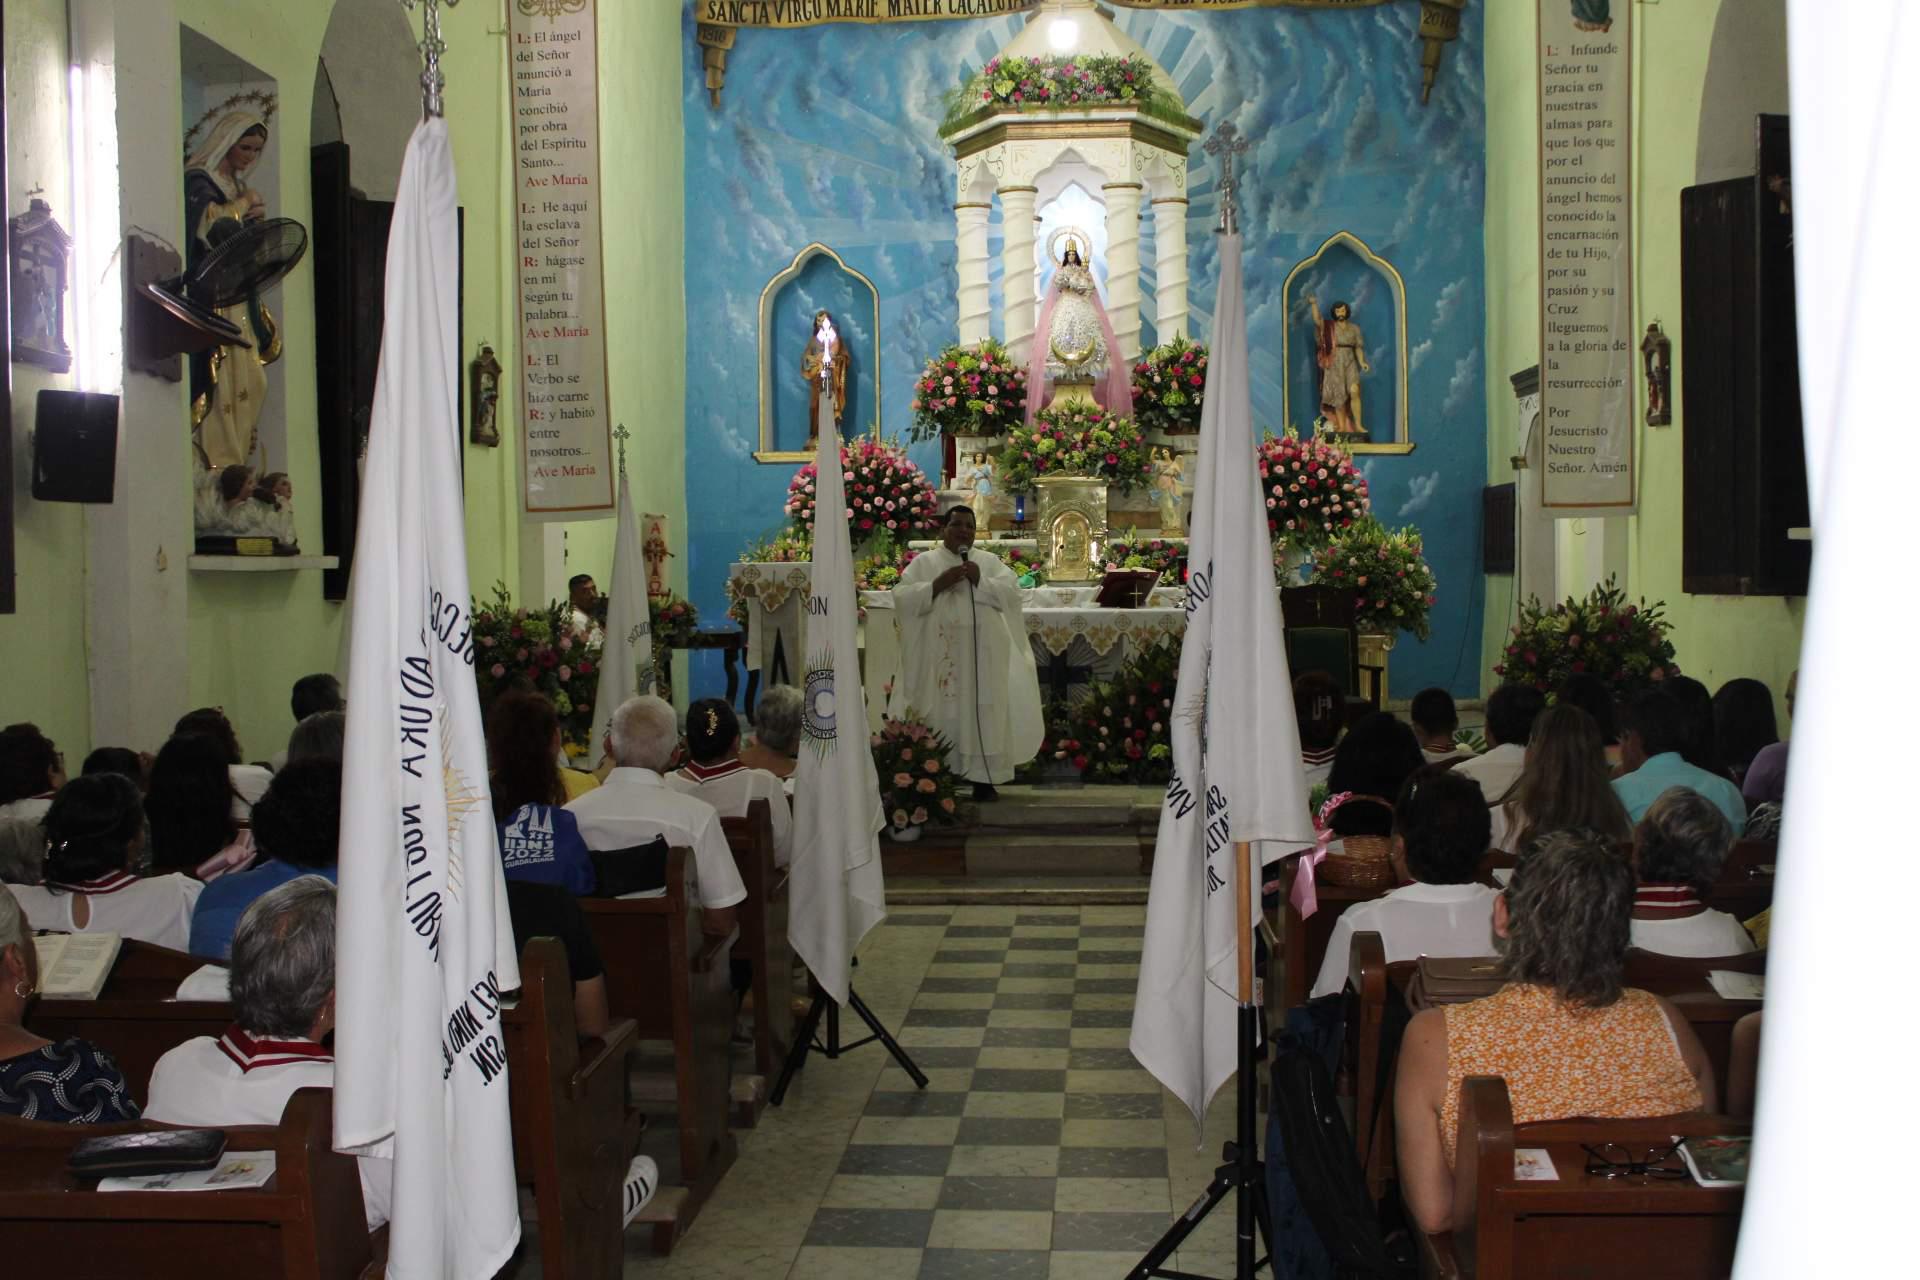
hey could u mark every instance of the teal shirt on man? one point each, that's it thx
(1639, 789)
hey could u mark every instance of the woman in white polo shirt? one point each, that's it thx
(717, 775)
(93, 831)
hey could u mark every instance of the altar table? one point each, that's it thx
(1074, 640)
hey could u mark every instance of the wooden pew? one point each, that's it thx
(674, 983)
(1581, 1225)
(763, 938)
(574, 1129)
(308, 1223)
(1367, 996)
(1745, 886)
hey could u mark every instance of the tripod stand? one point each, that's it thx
(804, 1038)
(1242, 1172)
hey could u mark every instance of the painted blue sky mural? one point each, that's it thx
(830, 134)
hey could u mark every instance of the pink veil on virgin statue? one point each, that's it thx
(1114, 392)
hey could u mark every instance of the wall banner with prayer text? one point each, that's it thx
(564, 416)
(1588, 348)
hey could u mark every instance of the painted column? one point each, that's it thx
(1170, 267)
(1123, 264)
(976, 316)
(1016, 277)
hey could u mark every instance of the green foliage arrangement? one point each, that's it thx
(1056, 81)
(1393, 586)
(1166, 557)
(1624, 644)
(1076, 441)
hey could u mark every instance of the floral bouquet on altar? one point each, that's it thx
(916, 787)
(1313, 490)
(1079, 440)
(1123, 723)
(673, 619)
(885, 491)
(1024, 564)
(1626, 645)
(536, 649)
(1167, 558)
(969, 391)
(1169, 384)
(1392, 583)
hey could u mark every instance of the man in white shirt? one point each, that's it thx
(282, 989)
(1511, 712)
(582, 597)
(717, 775)
(635, 804)
(1440, 833)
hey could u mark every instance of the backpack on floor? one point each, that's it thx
(1314, 1178)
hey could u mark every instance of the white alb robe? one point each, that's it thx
(986, 704)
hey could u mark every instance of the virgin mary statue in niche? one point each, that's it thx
(1074, 349)
(229, 384)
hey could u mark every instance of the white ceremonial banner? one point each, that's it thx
(1236, 758)
(425, 945)
(1589, 352)
(626, 659)
(837, 893)
(1837, 1061)
(565, 422)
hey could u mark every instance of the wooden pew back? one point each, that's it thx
(574, 1130)
(674, 983)
(309, 1223)
(1580, 1225)
(763, 935)
(136, 1019)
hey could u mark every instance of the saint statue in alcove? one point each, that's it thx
(824, 365)
(229, 383)
(1341, 353)
(1074, 342)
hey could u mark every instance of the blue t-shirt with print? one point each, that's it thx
(541, 844)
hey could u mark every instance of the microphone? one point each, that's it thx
(964, 553)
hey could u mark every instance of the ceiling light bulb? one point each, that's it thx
(1063, 33)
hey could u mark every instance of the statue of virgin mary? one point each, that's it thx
(229, 384)
(1073, 342)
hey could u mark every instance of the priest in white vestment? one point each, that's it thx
(966, 665)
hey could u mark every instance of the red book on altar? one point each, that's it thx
(1127, 588)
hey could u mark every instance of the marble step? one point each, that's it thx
(1053, 855)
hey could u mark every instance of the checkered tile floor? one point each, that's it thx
(1039, 1148)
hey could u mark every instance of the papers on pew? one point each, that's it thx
(1737, 986)
(1533, 1164)
(237, 1170)
(74, 966)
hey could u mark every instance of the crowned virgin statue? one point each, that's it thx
(229, 383)
(1074, 351)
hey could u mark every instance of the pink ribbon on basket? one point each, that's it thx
(1304, 898)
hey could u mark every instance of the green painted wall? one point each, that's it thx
(1716, 637)
(43, 644)
(252, 635)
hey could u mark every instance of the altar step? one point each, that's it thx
(1101, 835)
(1018, 891)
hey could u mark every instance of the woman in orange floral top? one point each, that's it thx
(1563, 1032)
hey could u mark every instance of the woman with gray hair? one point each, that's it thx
(23, 850)
(1677, 851)
(282, 991)
(776, 732)
(1566, 1034)
(69, 1082)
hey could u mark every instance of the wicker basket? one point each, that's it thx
(1363, 864)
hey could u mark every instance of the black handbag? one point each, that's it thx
(139, 1155)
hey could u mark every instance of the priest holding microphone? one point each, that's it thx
(966, 665)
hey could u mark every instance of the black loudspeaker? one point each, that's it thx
(75, 437)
